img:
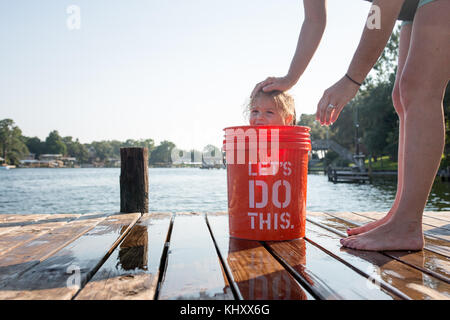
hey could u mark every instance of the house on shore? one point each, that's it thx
(48, 161)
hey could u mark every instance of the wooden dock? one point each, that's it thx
(336, 175)
(163, 256)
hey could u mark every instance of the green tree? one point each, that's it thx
(54, 144)
(76, 149)
(317, 132)
(103, 150)
(12, 145)
(147, 143)
(35, 145)
(372, 109)
(162, 153)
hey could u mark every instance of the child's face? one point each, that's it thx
(264, 112)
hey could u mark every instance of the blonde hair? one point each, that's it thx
(283, 101)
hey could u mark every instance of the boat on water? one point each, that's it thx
(6, 167)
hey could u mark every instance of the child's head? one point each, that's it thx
(271, 108)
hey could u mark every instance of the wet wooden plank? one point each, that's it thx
(387, 270)
(32, 229)
(35, 219)
(435, 222)
(8, 220)
(12, 222)
(441, 215)
(61, 275)
(428, 261)
(439, 229)
(313, 265)
(132, 270)
(25, 256)
(428, 218)
(193, 268)
(432, 243)
(257, 275)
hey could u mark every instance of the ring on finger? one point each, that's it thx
(331, 107)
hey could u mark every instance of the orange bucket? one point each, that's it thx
(267, 168)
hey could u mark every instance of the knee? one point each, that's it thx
(416, 91)
(396, 99)
(407, 89)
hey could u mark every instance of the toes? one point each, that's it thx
(346, 241)
(350, 242)
(353, 231)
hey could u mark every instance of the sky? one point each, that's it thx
(178, 70)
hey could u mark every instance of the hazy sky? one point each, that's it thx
(178, 70)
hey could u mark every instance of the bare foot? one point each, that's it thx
(369, 226)
(392, 235)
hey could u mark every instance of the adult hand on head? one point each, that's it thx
(272, 84)
(334, 99)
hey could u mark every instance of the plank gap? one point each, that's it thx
(163, 260)
(92, 272)
(382, 283)
(305, 284)
(234, 288)
(391, 254)
(427, 236)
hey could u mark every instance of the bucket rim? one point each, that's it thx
(283, 128)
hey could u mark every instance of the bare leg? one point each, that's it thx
(422, 85)
(405, 37)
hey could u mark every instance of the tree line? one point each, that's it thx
(372, 109)
(14, 147)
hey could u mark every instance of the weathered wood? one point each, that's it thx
(380, 266)
(425, 260)
(7, 219)
(22, 235)
(61, 275)
(313, 265)
(134, 180)
(25, 256)
(383, 271)
(255, 272)
(430, 226)
(432, 243)
(132, 270)
(193, 268)
(442, 215)
(117, 260)
(33, 227)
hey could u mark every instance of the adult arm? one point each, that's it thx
(372, 43)
(310, 35)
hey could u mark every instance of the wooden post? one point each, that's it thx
(134, 180)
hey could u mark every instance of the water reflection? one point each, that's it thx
(133, 251)
(412, 282)
(258, 275)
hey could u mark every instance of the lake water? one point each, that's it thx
(172, 190)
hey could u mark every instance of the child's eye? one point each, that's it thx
(270, 112)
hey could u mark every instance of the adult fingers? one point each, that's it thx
(321, 108)
(336, 114)
(260, 85)
(271, 87)
(256, 89)
(330, 109)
